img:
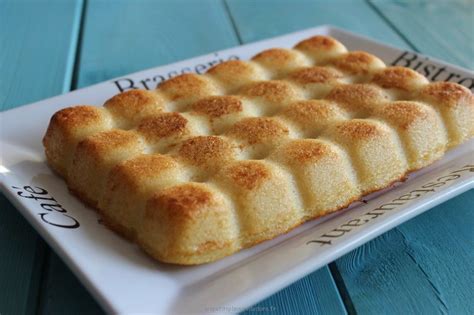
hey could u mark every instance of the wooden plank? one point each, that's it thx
(421, 267)
(269, 18)
(442, 29)
(36, 59)
(38, 48)
(62, 293)
(386, 275)
(21, 259)
(148, 34)
(314, 294)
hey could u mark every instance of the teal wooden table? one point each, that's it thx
(424, 266)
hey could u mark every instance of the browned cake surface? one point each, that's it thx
(206, 165)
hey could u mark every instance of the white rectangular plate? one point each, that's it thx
(124, 280)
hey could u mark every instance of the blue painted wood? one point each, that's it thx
(421, 267)
(314, 294)
(445, 236)
(442, 28)
(36, 56)
(391, 274)
(38, 45)
(62, 293)
(266, 18)
(125, 36)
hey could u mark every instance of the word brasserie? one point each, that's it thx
(125, 84)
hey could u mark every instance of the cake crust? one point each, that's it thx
(206, 165)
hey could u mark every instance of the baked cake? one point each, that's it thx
(206, 165)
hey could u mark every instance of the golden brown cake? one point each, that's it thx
(206, 165)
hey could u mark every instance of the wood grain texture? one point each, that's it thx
(266, 18)
(21, 260)
(444, 29)
(36, 58)
(157, 37)
(314, 294)
(421, 267)
(125, 36)
(38, 45)
(62, 293)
